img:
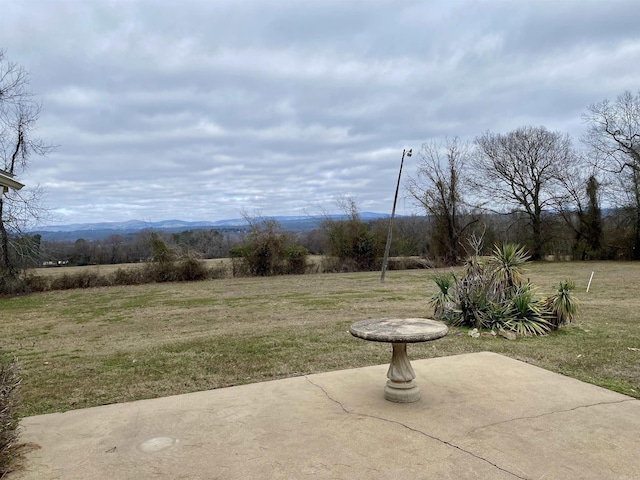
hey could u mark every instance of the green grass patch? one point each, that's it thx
(82, 348)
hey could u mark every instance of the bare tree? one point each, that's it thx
(614, 138)
(518, 172)
(19, 113)
(439, 188)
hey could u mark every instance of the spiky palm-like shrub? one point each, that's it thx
(472, 294)
(525, 315)
(562, 305)
(507, 261)
(495, 316)
(490, 294)
(442, 300)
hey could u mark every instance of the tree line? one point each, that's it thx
(537, 187)
(530, 186)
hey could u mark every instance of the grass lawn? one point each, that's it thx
(82, 348)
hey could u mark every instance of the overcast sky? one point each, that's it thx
(198, 110)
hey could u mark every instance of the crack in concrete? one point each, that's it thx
(533, 417)
(444, 442)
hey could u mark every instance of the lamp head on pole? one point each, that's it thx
(409, 152)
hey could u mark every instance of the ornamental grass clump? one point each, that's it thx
(491, 294)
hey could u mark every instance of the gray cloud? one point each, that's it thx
(198, 110)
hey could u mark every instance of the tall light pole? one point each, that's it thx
(393, 212)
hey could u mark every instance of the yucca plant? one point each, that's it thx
(441, 301)
(495, 314)
(524, 315)
(472, 293)
(492, 295)
(507, 261)
(563, 305)
(471, 305)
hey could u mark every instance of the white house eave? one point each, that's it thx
(7, 182)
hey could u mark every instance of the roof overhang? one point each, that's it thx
(6, 181)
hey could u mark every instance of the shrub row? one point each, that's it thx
(189, 269)
(9, 403)
(186, 269)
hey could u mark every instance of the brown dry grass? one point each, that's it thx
(109, 269)
(82, 348)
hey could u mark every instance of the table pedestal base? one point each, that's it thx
(401, 386)
(402, 392)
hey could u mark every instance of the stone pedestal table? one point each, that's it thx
(401, 386)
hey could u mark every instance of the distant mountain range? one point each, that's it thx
(97, 231)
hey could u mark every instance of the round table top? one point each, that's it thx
(399, 330)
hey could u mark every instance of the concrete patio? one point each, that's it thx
(481, 416)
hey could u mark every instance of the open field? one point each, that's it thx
(108, 269)
(82, 348)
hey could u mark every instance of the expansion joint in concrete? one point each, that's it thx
(420, 432)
